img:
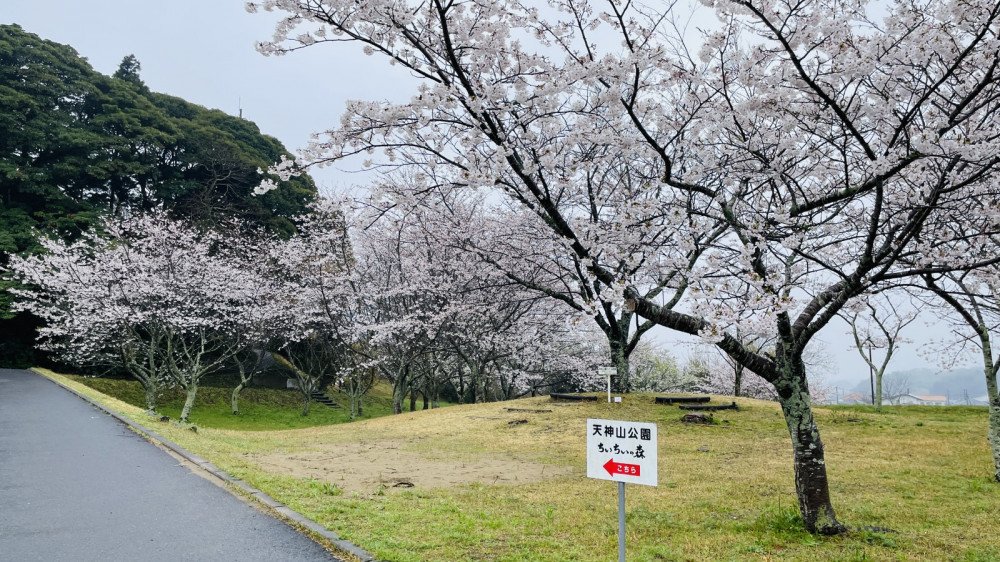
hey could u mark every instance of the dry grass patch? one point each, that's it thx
(389, 464)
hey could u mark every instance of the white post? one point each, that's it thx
(608, 372)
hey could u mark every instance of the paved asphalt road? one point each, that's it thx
(76, 485)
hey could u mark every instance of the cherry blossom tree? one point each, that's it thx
(802, 155)
(540, 347)
(261, 313)
(877, 324)
(84, 323)
(975, 299)
(313, 274)
(404, 300)
(160, 295)
(519, 246)
(440, 300)
(725, 377)
(383, 286)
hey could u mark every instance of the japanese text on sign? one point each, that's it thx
(622, 450)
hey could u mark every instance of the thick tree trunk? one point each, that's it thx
(620, 383)
(150, 396)
(811, 484)
(192, 390)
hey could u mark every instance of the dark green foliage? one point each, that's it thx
(220, 155)
(77, 141)
(128, 71)
(75, 144)
(17, 342)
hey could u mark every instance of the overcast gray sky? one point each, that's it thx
(203, 51)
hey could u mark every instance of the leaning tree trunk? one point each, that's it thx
(811, 484)
(246, 376)
(236, 397)
(192, 389)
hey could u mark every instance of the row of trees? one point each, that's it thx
(795, 159)
(170, 303)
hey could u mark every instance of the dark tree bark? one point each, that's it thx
(811, 483)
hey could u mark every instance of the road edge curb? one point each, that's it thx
(286, 513)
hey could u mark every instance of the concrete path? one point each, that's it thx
(77, 485)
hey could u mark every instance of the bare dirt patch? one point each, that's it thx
(368, 466)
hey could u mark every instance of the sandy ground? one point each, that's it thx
(364, 467)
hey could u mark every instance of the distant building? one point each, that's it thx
(854, 399)
(919, 400)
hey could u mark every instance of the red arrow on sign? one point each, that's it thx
(621, 468)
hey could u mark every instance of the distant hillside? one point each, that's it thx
(76, 144)
(954, 384)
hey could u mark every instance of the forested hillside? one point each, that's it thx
(76, 144)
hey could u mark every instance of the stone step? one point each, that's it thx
(323, 399)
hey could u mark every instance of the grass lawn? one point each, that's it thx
(725, 490)
(260, 409)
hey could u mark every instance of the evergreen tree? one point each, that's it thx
(77, 144)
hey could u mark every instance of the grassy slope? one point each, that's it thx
(260, 409)
(920, 470)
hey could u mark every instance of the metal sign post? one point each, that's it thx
(622, 451)
(621, 522)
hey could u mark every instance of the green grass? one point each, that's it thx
(726, 490)
(260, 409)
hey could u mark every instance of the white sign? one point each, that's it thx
(623, 451)
(607, 372)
